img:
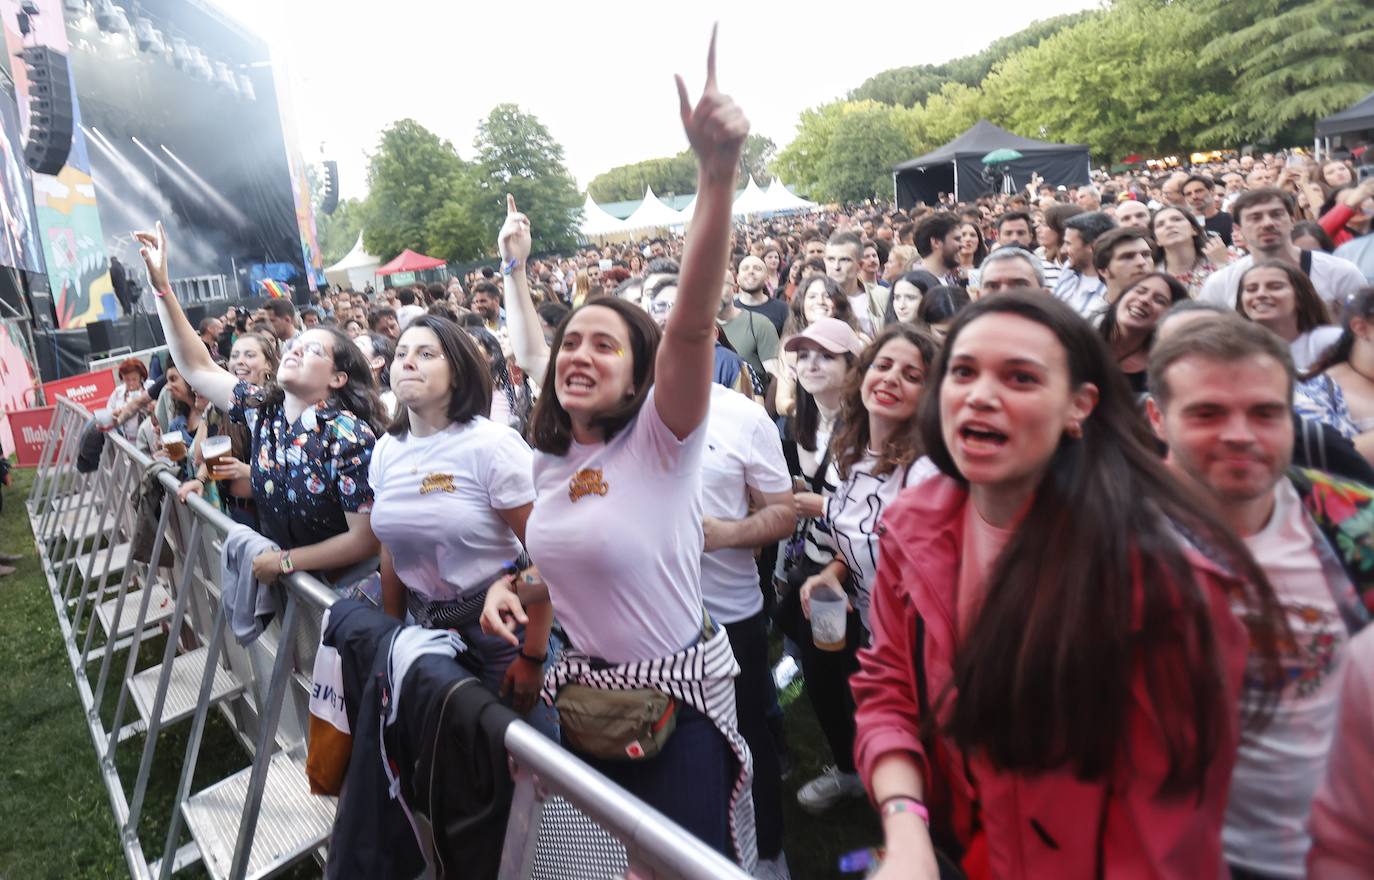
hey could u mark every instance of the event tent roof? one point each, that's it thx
(596, 221)
(780, 198)
(653, 214)
(751, 201)
(1357, 117)
(409, 261)
(355, 269)
(982, 138)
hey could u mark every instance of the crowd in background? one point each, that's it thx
(1087, 467)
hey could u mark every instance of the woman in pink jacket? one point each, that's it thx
(1051, 690)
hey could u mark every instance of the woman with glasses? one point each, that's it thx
(312, 437)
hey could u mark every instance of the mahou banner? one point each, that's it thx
(91, 390)
(30, 430)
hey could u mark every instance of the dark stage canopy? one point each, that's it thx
(957, 167)
(1357, 117)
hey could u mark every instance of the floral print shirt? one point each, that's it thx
(308, 473)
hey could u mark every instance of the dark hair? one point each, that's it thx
(406, 296)
(1177, 293)
(1251, 198)
(932, 227)
(270, 351)
(1009, 216)
(375, 316)
(919, 280)
(384, 348)
(553, 313)
(941, 304)
(1308, 306)
(468, 375)
(1314, 229)
(1107, 243)
(440, 309)
(280, 308)
(980, 253)
(1045, 673)
(359, 394)
(550, 425)
(1057, 215)
(1358, 305)
(1198, 178)
(486, 288)
(662, 266)
(796, 312)
(1227, 339)
(851, 439)
(1090, 225)
(1199, 231)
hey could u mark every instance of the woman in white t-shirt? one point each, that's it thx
(453, 492)
(1281, 297)
(620, 432)
(876, 453)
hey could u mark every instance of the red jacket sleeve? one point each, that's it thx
(1334, 221)
(887, 717)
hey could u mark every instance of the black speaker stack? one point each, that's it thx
(51, 116)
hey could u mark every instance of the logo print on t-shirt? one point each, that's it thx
(587, 482)
(437, 483)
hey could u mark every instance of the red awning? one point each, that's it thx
(409, 261)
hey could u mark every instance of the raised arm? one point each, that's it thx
(522, 321)
(716, 129)
(188, 351)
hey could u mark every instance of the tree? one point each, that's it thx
(911, 86)
(844, 151)
(799, 161)
(1294, 61)
(1126, 81)
(753, 161)
(675, 174)
(410, 177)
(338, 232)
(516, 154)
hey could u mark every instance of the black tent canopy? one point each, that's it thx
(1355, 118)
(957, 167)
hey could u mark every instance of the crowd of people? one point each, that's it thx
(1087, 469)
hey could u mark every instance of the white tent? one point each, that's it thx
(653, 214)
(751, 201)
(780, 198)
(597, 223)
(356, 270)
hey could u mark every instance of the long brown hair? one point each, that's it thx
(1308, 307)
(849, 444)
(1044, 674)
(550, 425)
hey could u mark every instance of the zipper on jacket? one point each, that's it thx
(1043, 834)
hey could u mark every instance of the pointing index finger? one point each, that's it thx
(711, 60)
(510, 203)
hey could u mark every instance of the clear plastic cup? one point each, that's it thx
(828, 618)
(216, 451)
(174, 444)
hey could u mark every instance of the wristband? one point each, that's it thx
(904, 804)
(160, 293)
(510, 266)
(286, 566)
(537, 661)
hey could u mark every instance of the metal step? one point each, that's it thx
(183, 687)
(76, 529)
(159, 609)
(94, 563)
(293, 822)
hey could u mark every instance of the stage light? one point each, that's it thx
(224, 78)
(148, 37)
(181, 54)
(76, 7)
(110, 18)
(200, 65)
(246, 91)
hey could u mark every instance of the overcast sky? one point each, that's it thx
(599, 75)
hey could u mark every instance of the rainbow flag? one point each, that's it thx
(274, 290)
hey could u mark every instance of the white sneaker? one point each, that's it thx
(773, 869)
(828, 789)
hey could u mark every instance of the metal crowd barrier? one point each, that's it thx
(566, 819)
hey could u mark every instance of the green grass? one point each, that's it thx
(57, 818)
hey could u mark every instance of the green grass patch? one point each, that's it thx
(58, 822)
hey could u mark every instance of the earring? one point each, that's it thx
(1075, 430)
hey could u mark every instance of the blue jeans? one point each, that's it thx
(690, 781)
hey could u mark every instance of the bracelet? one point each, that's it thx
(538, 661)
(510, 266)
(904, 804)
(160, 293)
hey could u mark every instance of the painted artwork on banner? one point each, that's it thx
(69, 225)
(19, 246)
(300, 183)
(16, 380)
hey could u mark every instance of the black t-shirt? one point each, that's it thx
(774, 310)
(1221, 224)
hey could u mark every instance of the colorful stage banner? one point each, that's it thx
(69, 225)
(300, 183)
(16, 379)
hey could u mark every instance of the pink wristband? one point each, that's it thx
(895, 805)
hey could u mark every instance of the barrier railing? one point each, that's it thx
(112, 596)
